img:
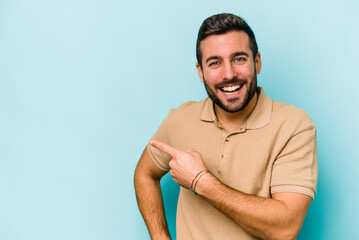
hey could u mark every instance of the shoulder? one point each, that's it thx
(290, 115)
(188, 110)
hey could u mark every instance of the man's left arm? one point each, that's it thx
(279, 217)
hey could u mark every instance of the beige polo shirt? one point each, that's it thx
(274, 151)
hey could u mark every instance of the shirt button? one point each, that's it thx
(227, 140)
(224, 155)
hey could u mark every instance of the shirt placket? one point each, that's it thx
(227, 146)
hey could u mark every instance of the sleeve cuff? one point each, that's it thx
(160, 165)
(293, 188)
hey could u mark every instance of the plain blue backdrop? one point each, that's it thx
(85, 84)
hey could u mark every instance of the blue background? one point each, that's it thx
(85, 84)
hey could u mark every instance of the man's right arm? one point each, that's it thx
(149, 196)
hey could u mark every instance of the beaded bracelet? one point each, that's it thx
(198, 176)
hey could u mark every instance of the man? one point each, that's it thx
(247, 165)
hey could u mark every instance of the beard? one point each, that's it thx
(234, 104)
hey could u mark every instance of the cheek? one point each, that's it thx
(212, 76)
(245, 72)
(215, 75)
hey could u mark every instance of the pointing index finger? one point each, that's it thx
(164, 147)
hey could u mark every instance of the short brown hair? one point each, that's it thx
(223, 23)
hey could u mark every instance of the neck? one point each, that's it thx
(231, 121)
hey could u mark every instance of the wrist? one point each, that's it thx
(195, 180)
(204, 184)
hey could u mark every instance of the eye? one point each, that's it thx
(214, 63)
(239, 59)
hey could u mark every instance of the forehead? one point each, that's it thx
(225, 44)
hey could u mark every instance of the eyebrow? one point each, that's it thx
(232, 56)
(212, 58)
(239, 54)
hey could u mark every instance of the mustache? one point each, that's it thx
(235, 80)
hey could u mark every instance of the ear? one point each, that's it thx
(200, 72)
(258, 62)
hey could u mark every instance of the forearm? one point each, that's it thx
(150, 203)
(266, 218)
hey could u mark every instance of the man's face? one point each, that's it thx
(229, 70)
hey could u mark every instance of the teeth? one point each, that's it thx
(231, 89)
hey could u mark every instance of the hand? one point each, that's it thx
(184, 165)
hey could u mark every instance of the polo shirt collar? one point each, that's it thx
(259, 117)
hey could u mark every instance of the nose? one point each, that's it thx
(228, 72)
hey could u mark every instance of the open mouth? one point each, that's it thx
(231, 89)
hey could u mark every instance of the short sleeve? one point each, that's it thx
(159, 158)
(296, 167)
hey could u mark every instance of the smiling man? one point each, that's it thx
(247, 165)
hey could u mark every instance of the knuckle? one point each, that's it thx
(197, 154)
(175, 155)
(171, 163)
(191, 150)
